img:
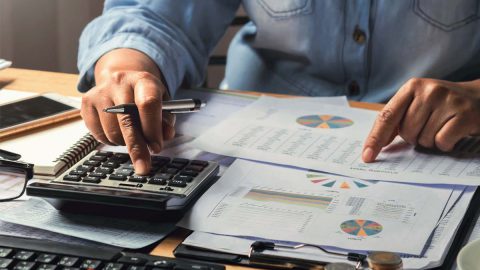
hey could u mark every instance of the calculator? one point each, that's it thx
(108, 178)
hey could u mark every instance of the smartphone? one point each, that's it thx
(36, 111)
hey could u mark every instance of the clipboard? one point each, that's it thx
(276, 262)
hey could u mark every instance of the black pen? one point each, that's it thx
(172, 106)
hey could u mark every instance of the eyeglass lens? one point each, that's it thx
(12, 183)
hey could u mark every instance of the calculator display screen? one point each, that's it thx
(28, 110)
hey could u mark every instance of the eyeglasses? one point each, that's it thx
(14, 176)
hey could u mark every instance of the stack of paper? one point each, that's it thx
(4, 64)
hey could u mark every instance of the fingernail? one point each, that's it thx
(367, 154)
(155, 147)
(141, 167)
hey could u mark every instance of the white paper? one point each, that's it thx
(278, 131)
(221, 104)
(125, 233)
(273, 202)
(4, 64)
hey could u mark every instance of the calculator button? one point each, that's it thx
(24, 266)
(135, 267)
(110, 164)
(119, 157)
(127, 166)
(165, 176)
(86, 168)
(68, 261)
(177, 183)
(157, 181)
(126, 172)
(183, 161)
(113, 266)
(169, 170)
(5, 263)
(45, 266)
(92, 163)
(103, 153)
(185, 178)
(161, 158)
(5, 252)
(194, 168)
(132, 260)
(202, 163)
(78, 172)
(118, 177)
(137, 179)
(74, 178)
(91, 179)
(100, 175)
(177, 166)
(46, 258)
(104, 170)
(98, 158)
(24, 255)
(189, 173)
(90, 264)
(164, 264)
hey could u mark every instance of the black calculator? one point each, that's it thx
(108, 178)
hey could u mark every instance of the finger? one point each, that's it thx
(92, 121)
(386, 124)
(131, 132)
(451, 133)
(436, 121)
(148, 98)
(169, 120)
(109, 123)
(414, 120)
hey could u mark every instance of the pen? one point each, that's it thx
(172, 106)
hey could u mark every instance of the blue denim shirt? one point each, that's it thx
(364, 49)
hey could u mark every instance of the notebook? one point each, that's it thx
(53, 149)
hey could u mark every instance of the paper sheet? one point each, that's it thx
(328, 138)
(125, 233)
(273, 202)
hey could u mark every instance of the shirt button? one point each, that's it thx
(359, 36)
(353, 88)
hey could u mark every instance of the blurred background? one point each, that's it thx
(43, 34)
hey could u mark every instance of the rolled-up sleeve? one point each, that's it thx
(177, 35)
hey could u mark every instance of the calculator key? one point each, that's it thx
(68, 261)
(78, 172)
(137, 179)
(110, 164)
(194, 168)
(71, 268)
(132, 260)
(113, 266)
(161, 158)
(126, 172)
(127, 166)
(5, 263)
(91, 179)
(24, 266)
(100, 175)
(98, 158)
(104, 170)
(90, 264)
(45, 266)
(117, 177)
(92, 163)
(177, 166)
(24, 255)
(136, 267)
(170, 170)
(5, 252)
(119, 157)
(46, 258)
(177, 183)
(202, 163)
(162, 264)
(189, 173)
(165, 176)
(86, 168)
(185, 178)
(183, 161)
(73, 178)
(157, 181)
(103, 153)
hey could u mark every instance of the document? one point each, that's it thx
(328, 138)
(38, 213)
(434, 252)
(272, 202)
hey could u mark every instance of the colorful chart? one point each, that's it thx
(318, 178)
(360, 227)
(324, 121)
(288, 198)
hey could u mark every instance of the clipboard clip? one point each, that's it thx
(257, 256)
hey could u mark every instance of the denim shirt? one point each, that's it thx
(364, 49)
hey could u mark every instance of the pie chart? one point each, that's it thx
(361, 227)
(325, 121)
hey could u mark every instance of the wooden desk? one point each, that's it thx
(42, 81)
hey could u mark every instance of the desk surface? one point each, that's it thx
(43, 81)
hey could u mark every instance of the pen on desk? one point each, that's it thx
(172, 106)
